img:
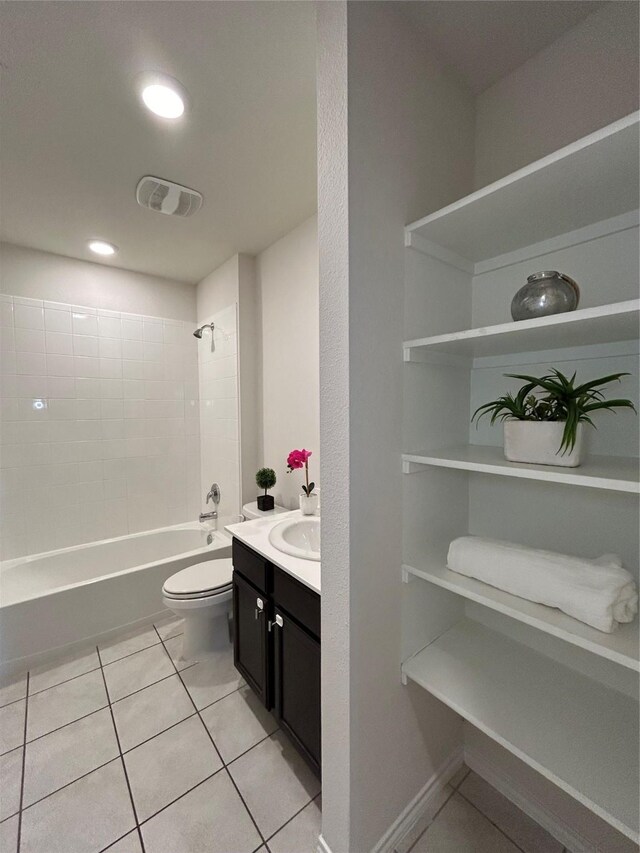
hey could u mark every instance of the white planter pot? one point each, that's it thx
(308, 505)
(537, 442)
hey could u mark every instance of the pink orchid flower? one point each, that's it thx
(300, 459)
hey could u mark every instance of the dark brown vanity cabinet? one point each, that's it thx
(277, 645)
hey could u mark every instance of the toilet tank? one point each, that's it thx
(251, 510)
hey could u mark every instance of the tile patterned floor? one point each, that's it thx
(129, 749)
(473, 817)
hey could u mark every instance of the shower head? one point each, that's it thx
(198, 332)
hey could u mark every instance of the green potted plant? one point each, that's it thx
(543, 422)
(265, 479)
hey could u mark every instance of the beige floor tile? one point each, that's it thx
(174, 647)
(139, 670)
(166, 767)
(438, 800)
(61, 670)
(170, 627)
(459, 776)
(127, 644)
(11, 726)
(300, 835)
(129, 844)
(10, 782)
(238, 722)
(210, 818)
(460, 827)
(212, 679)
(274, 781)
(13, 688)
(150, 711)
(520, 828)
(65, 703)
(84, 817)
(68, 753)
(9, 835)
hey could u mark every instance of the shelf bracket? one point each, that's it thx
(407, 576)
(412, 467)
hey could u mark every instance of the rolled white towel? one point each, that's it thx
(598, 592)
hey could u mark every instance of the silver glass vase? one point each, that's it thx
(545, 293)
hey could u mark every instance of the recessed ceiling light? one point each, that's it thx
(163, 95)
(100, 247)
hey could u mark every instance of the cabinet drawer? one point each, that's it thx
(298, 600)
(251, 565)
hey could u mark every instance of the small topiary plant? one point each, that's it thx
(265, 479)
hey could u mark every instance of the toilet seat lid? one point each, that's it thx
(206, 576)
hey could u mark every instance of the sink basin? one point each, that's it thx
(298, 537)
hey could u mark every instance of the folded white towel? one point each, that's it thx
(599, 592)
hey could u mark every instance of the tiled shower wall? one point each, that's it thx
(219, 429)
(99, 430)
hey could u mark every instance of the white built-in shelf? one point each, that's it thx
(613, 473)
(593, 179)
(573, 730)
(603, 324)
(623, 646)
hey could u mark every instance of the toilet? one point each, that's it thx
(202, 594)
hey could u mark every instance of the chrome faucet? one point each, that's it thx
(214, 496)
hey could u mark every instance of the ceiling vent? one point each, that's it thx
(166, 197)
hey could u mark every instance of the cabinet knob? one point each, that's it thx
(259, 608)
(279, 621)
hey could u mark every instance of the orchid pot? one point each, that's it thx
(309, 500)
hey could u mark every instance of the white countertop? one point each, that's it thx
(255, 534)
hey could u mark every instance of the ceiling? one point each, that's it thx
(75, 140)
(483, 40)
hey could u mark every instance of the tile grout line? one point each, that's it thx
(67, 784)
(293, 817)
(486, 817)
(80, 674)
(24, 761)
(232, 780)
(124, 766)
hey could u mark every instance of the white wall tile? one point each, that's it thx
(59, 342)
(60, 365)
(29, 340)
(95, 424)
(28, 316)
(30, 363)
(56, 320)
(110, 348)
(109, 327)
(84, 323)
(86, 345)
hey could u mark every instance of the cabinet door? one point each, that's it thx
(251, 637)
(297, 685)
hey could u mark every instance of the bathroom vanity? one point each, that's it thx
(276, 636)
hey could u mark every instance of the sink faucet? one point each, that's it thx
(214, 496)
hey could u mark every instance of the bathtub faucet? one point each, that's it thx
(214, 496)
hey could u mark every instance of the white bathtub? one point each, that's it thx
(62, 598)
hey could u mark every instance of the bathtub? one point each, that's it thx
(76, 595)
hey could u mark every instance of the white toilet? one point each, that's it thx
(201, 595)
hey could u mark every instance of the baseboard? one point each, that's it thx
(19, 665)
(519, 796)
(322, 847)
(421, 808)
